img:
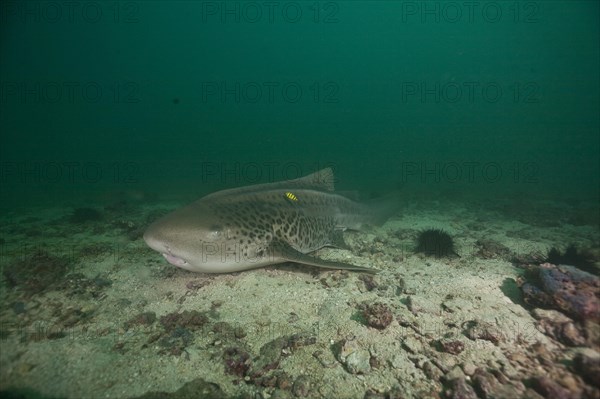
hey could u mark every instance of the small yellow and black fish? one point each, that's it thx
(291, 197)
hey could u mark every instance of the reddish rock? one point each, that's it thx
(378, 315)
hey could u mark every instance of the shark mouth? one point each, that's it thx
(174, 260)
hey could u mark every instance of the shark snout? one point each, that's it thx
(154, 241)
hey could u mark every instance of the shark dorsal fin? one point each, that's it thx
(320, 180)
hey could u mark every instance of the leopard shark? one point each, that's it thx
(265, 224)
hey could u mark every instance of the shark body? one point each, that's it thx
(254, 226)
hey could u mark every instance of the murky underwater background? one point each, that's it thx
(497, 97)
(132, 108)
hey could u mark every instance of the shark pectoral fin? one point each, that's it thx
(285, 251)
(336, 239)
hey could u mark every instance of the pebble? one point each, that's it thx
(455, 373)
(481, 330)
(550, 389)
(571, 335)
(542, 353)
(469, 368)
(378, 315)
(460, 389)
(412, 345)
(453, 347)
(519, 358)
(553, 315)
(587, 364)
(485, 383)
(301, 387)
(398, 362)
(355, 358)
(569, 382)
(591, 329)
(347, 348)
(431, 371)
(358, 362)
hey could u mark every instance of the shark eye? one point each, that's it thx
(215, 230)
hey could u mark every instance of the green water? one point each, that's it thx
(498, 99)
(114, 112)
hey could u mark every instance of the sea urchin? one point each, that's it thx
(583, 260)
(435, 242)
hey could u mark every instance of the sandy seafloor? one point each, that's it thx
(98, 326)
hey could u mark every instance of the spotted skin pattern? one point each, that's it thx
(306, 224)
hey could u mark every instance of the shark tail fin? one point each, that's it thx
(383, 208)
